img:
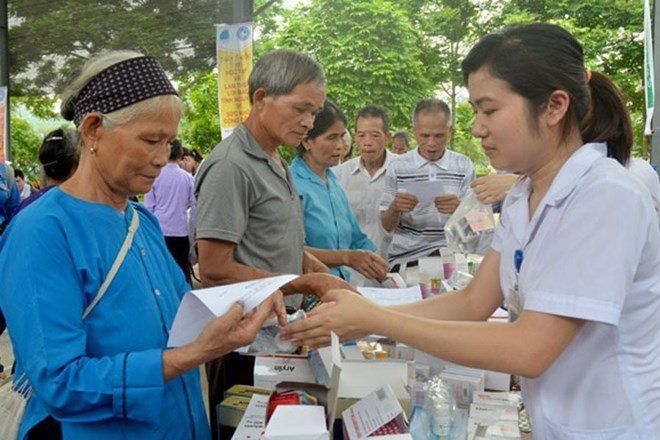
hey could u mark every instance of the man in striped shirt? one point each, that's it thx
(418, 226)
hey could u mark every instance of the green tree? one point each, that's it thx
(464, 142)
(448, 30)
(50, 40)
(610, 32)
(41, 106)
(200, 128)
(370, 52)
(25, 143)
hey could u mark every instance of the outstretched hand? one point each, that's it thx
(345, 313)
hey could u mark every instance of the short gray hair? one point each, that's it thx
(432, 106)
(96, 65)
(280, 71)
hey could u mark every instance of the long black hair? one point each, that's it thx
(536, 60)
(59, 153)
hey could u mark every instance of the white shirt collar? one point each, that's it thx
(419, 161)
(565, 181)
(359, 166)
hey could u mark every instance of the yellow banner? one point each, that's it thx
(234, 50)
(3, 123)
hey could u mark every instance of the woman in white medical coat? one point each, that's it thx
(576, 255)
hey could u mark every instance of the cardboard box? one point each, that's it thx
(246, 391)
(359, 378)
(377, 414)
(253, 423)
(270, 370)
(300, 422)
(463, 386)
(490, 422)
(339, 383)
(494, 380)
(231, 410)
(499, 398)
(297, 422)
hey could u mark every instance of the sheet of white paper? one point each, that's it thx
(425, 191)
(199, 307)
(391, 297)
(253, 423)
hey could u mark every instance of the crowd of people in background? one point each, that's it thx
(91, 341)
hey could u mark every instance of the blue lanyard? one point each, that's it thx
(518, 259)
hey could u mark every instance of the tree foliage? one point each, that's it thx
(385, 52)
(201, 125)
(610, 32)
(51, 40)
(25, 143)
(370, 52)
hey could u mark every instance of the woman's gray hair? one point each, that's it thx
(280, 71)
(96, 65)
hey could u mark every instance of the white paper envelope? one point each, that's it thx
(199, 307)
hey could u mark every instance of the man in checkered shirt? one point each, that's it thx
(418, 229)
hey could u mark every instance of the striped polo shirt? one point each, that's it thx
(421, 231)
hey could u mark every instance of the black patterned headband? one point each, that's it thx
(121, 85)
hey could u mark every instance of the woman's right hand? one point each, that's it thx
(346, 313)
(232, 330)
(222, 335)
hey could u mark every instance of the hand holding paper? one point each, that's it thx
(200, 307)
(232, 330)
(404, 202)
(447, 203)
(425, 191)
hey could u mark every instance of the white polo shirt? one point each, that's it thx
(591, 251)
(364, 192)
(421, 231)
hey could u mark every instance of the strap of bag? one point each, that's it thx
(128, 241)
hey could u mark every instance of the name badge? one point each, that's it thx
(515, 302)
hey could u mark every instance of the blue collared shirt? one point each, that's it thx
(329, 221)
(101, 377)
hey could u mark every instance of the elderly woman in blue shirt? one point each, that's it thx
(107, 374)
(331, 228)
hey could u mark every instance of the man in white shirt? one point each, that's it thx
(363, 177)
(418, 228)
